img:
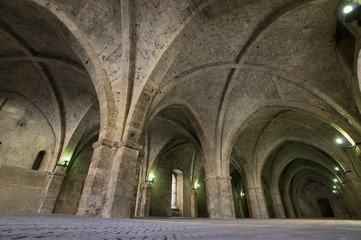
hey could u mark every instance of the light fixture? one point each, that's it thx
(339, 140)
(196, 187)
(150, 181)
(334, 186)
(347, 9)
(334, 191)
(352, 13)
(342, 171)
(335, 180)
(65, 164)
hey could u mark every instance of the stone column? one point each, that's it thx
(219, 198)
(240, 206)
(258, 203)
(194, 204)
(289, 206)
(212, 197)
(124, 184)
(144, 208)
(278, 206)
(226, 198)
(94, 200)
(52, 191)
(137, 184)
(352, 190)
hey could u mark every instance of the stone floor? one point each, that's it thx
(70, 227)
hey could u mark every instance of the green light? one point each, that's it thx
(334, 191)
(347, 9)
(337, 169)
(334, 187)
(335, 180)
(152, 177)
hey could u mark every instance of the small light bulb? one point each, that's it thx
(198, 185)
(337, 169)
(334, 191)
(335, 180)
(334, 187)
(347, 9)
(339, 140)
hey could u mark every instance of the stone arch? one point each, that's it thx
(137, 117)
(299, 174)
(78, 42)
(337, 122)
(33, 116)
(200, 140)
(188, 111)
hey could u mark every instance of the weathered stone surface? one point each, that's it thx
(243, 98)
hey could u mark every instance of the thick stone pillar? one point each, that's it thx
(52, 191)
(212, 197)
(240, 206)
(126, 172)
(219, 198)
(278, 206)
(94, 201)
(226, 198)
(352, 191)
(194, 203)
(109, 189)
(290, 208)
(144, 201)
(258, 203)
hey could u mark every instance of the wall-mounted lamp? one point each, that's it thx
(63, 165)
(150, 181)
(340, 142)
(196, 187)
(353, 13)
(342, 171)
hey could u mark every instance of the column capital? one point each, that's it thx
(224, 178)
(103, 142)
(210, 178)
(255, 188)
(132, 146)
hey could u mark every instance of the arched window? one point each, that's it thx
(174, 192)
(177, 193)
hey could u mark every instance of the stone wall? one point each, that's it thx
(70, 193)
(307, 201)
(179, 158)
(24, 132)
(21, 190)
(161, 193)
(202, 197)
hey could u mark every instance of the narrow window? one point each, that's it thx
(174, 192)
(38, 160)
